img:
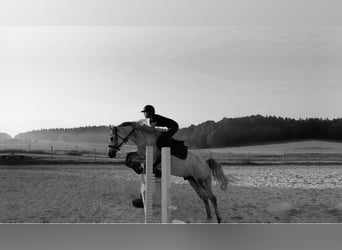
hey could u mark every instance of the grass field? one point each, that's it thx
(302, 146)
(302, 152)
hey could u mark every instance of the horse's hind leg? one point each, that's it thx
(200, 192)
(207, 187)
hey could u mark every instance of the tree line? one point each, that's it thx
(4, 136)
(226, 132)
(258, 129)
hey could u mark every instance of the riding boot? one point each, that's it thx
(157, 167)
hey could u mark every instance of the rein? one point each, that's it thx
(124, 140)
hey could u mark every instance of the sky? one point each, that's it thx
(66, 66)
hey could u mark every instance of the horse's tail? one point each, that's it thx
(218, 174)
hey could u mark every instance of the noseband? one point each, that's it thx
(116, 144)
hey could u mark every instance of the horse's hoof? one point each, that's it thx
(209, 220)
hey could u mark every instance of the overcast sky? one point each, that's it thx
(58, 69)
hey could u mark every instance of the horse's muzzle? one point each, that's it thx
(112, 151)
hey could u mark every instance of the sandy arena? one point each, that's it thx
(103, 194)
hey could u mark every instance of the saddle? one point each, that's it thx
(178, 149)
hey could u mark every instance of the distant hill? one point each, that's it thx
(92, 134)
(254, 129)
(4, 136)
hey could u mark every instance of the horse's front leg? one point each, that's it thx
(133, 161)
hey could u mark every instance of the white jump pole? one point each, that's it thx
(165, 196)
(148, 181)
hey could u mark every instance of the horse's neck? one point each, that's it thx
(143, 139)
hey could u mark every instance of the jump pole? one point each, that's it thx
(148, 182)
(165, 185)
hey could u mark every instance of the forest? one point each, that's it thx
(259, 129)
(255, 129)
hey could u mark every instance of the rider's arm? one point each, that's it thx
(153, 124)
(161, 129)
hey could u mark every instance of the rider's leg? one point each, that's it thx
(163, 141)
(157, 166)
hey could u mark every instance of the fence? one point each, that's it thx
(98, 152)
(79, 151)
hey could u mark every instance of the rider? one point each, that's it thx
(165, 138)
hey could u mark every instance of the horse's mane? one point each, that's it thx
(141, 127)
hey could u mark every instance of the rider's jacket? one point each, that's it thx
(161, 121)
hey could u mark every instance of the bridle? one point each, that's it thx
(116, 144)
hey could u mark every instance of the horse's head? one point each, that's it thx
(118, 136)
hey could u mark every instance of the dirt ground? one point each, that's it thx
(103, 194)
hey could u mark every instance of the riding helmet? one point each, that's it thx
(149, 109)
